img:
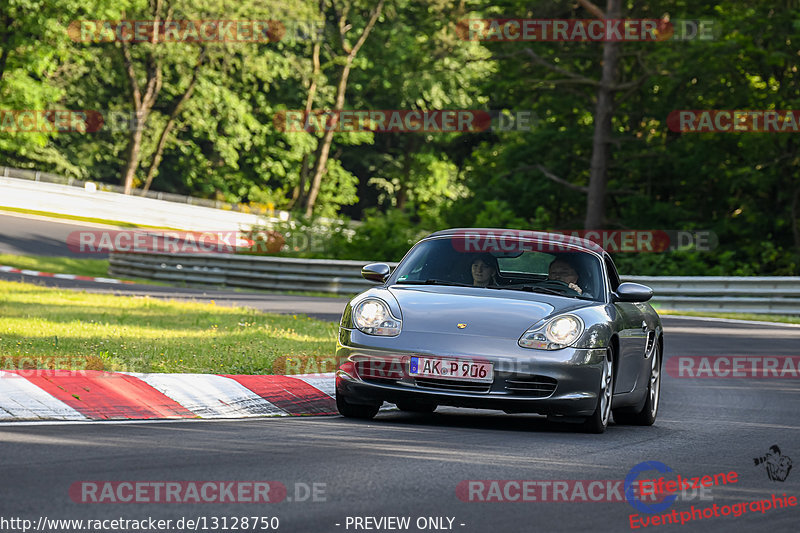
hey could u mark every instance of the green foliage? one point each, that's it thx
(227, 144)
(385, 236)
(379, 237)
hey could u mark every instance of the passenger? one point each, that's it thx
(561, 270)
(484, 270)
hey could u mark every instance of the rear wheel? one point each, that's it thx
(598, 422)
(647, 415)
(349, 410)
(416, 407)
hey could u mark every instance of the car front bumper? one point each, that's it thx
(562, 382)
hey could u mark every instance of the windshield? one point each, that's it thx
(442, 261)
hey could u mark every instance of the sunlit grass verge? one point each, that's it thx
(97, 268)
(785, 319)
(50, 328)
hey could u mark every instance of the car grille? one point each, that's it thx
(535, 386)
(380, 381)
(452, 385)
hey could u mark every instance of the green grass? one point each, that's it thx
(52, 328)
(117, 223)
(738, 316)
(97, 268)
(317, 294)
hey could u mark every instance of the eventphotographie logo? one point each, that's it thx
(777, 465)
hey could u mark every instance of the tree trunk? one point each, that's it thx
(320, 166)
(598, 177)
(795, 215)
(299, 192)
(3, 60)
(142, 101)
(134, 152)
(173, 117)
(408, 163)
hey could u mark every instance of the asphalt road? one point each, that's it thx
(410, 465)
(23, 234)
(403, 465)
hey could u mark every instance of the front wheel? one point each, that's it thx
(349, 410)
(647, 416)
(598, 422)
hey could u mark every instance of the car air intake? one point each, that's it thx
(535, 386)
(453, 385)
(651, 339)
(380, 369)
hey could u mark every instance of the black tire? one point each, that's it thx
(647, 415)
(416, 407)
(349, 410)
(598, 422)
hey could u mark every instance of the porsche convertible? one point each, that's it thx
(518, 321)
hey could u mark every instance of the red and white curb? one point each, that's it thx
(96, 395)
(13, 270)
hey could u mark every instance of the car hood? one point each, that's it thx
(486, 312)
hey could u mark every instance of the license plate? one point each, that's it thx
(430, 367)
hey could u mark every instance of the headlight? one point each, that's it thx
(372, 316)
(554, 334)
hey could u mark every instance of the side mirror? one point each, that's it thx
(632, 292)
(377, 272)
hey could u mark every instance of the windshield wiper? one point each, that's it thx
(546, 290)
(543, 290)
(431, 281)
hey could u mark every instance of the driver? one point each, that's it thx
(561, 270)
(484, 269)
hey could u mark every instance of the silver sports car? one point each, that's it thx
(524, 322)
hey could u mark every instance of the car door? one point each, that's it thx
(633, 331)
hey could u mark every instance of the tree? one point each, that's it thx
(341, 13)
(604, 110)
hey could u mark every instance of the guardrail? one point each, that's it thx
(764, 295)
(247, 271)
(770, 295)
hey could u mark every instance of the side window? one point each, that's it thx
(613, 277)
